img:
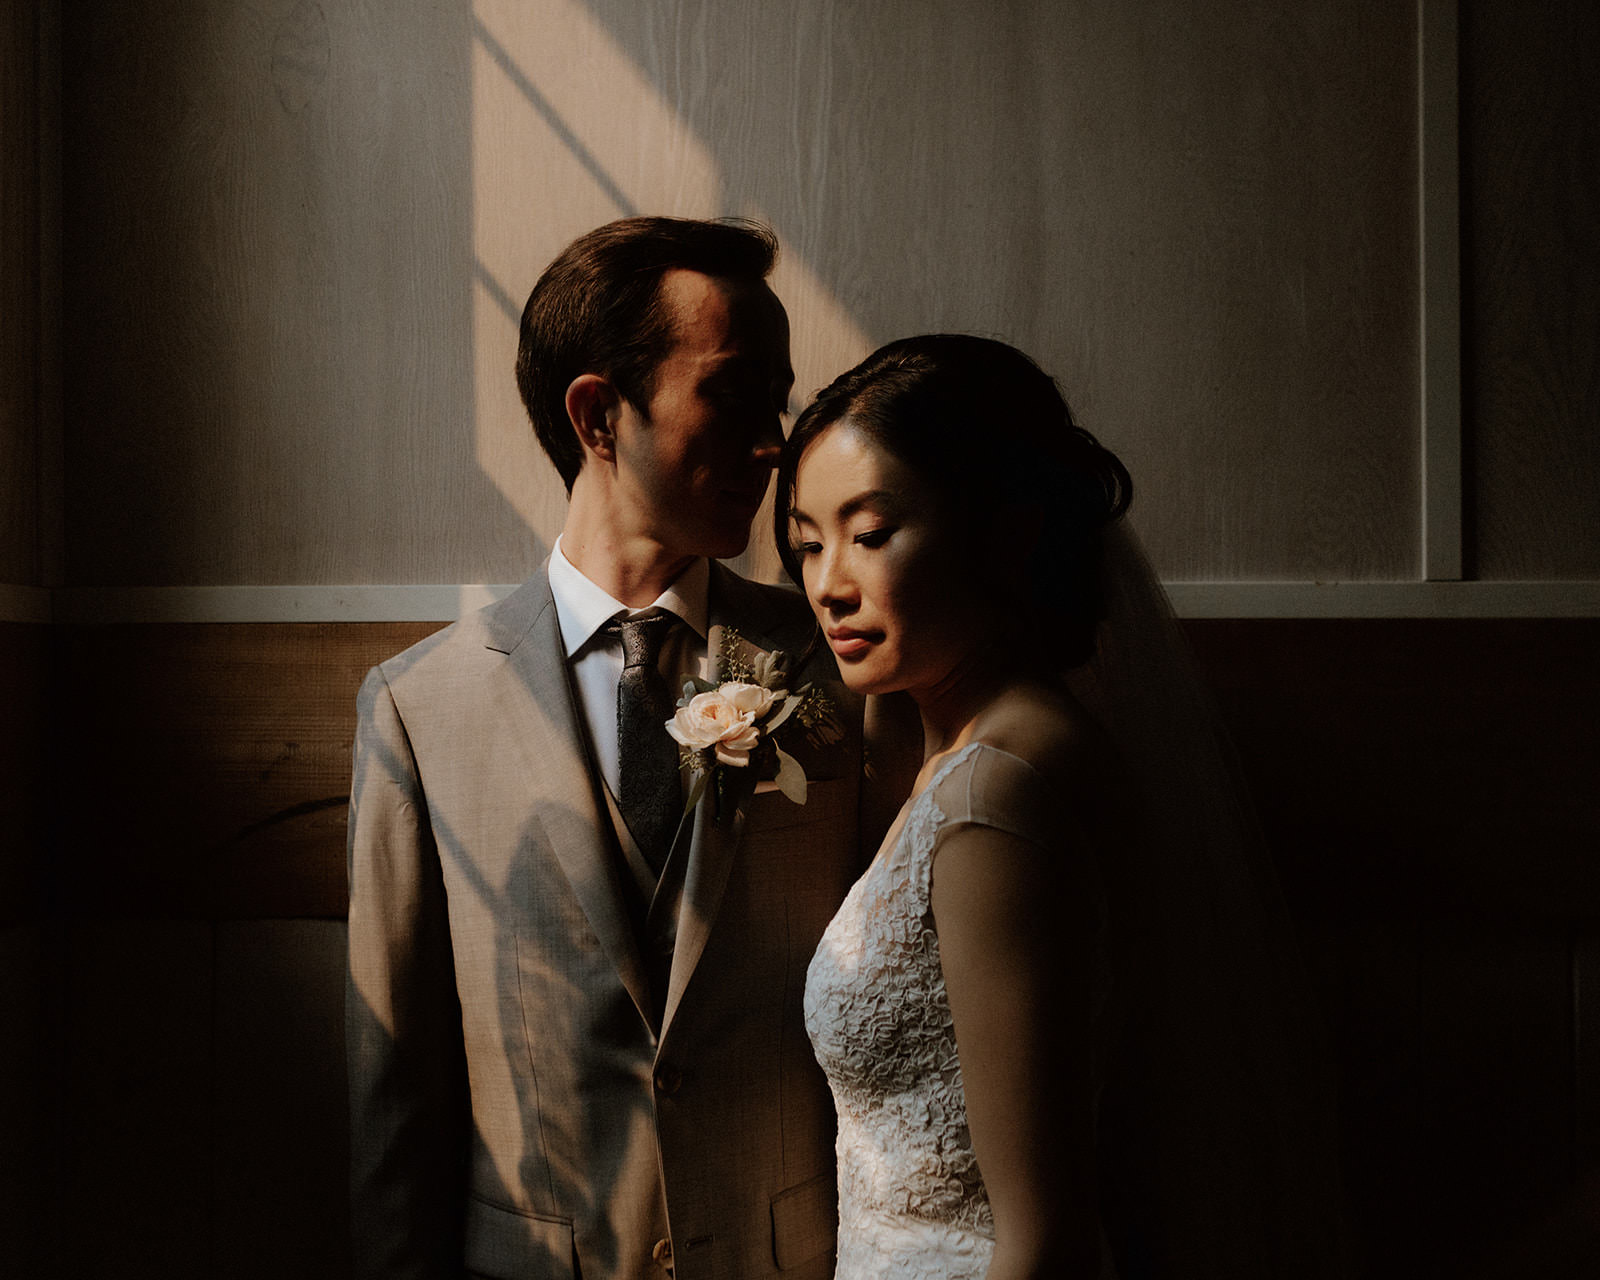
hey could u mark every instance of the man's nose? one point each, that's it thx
(768, 443)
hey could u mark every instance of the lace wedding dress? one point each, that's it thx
(912, 1204)
(1213, 1004)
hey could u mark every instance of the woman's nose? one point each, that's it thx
(832, 587)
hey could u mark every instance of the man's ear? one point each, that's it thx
(593, 406)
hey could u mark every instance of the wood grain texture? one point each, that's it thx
(20, 292)
(269, 279)
(137, 1073)
(1425, 787)
(30, 1113)
(298, 238)
(1433, 768)
(280, 1159)
(200, 1069)
(26, 798)
(1401, 767)
(1531, 268)
(1427, 791)
(225, 756)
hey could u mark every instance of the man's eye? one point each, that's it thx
(873, 537)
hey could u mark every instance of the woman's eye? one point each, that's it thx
(873, 537)
(807, 548)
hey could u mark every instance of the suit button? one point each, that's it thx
(662, 1254)
(668, 1081)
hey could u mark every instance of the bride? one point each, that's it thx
(1057, 1011)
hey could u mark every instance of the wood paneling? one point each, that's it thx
(30, 1112)
(1402, 768)
(269, 275)
(280, 1162)
(203, 1119)
(1200, 220)
(1426, 787)
(1531, 271)
(20, 144)
(26, 797)
(1429, 767)
(222, 758)
(136, 1180)
(298, 238)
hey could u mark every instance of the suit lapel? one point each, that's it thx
(740, 618)
(546, 727)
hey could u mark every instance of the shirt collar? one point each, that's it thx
(582, 608)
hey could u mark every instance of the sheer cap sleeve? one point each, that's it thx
(984, 786)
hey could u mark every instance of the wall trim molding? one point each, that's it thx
(1439, 281)
(447, 602)
(1385, 599)
(24, 604)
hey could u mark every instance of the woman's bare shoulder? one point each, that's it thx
(1047, 727)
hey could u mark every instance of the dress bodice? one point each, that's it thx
(912, 1203)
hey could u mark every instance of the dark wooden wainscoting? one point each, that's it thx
(1429, 789)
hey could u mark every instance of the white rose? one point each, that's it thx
(749, 698)
(713, 720)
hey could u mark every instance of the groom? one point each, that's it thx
(573, 1021)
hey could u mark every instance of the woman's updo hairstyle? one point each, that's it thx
(991, 434)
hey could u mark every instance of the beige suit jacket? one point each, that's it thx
(521, 1104)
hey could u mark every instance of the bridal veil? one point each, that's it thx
(1219, 1146)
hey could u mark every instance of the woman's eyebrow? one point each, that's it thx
(849, 507)
(872, 497)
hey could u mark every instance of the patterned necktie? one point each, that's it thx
(651, 800)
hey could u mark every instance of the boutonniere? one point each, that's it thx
(730, 723)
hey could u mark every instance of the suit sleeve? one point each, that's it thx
(409, 1114)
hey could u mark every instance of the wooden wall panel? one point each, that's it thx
(30, 1112)
(221, 759)
(26, 800)
(197, 1126)
(280, 1160)
(20, 513)
(298, 238)
(1200, 220)
(137, 1072)
(1531, 276)
(269, 274)
(1420, 767)
(1402, 768)
(1426, 787)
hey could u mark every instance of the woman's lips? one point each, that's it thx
(851, 644)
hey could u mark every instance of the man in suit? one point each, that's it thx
(574, 1027)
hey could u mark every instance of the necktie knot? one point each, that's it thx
(641, 636)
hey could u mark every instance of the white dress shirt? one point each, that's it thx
(595, 659)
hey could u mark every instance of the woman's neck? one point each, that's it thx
(952, 708)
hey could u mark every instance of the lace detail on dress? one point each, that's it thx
(912, 1205)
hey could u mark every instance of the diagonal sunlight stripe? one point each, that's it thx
(502, 59)
(509, 306)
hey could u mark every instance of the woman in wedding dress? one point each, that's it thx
(1057, 1012)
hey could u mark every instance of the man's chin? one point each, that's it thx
(726, 545)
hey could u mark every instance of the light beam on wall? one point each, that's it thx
(569, 132)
